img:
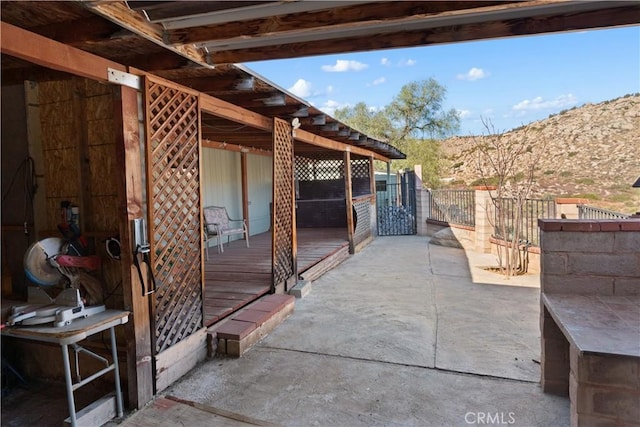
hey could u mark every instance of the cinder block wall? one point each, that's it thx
(590, 257)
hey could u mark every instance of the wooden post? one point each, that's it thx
(348, 194)
(374, 198)
(130, 189)
(294, 227)
(372, 177)
(245, 189)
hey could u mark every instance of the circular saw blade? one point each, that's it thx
(36, 264)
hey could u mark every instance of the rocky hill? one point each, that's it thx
(592, 152)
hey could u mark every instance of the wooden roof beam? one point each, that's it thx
(331, 127)
(119, 13)
(480, 15)
(347, 14)
(229, 111)
(263, 10)
(49, 53)
(86, 29)
(608, 17)
(320, 141)
(219, 84)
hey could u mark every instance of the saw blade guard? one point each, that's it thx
(36, 261)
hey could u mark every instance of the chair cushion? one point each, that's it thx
(215, 216)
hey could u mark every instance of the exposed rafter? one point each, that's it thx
(119, 13)
(234, 32)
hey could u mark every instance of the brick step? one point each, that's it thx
(236, 334)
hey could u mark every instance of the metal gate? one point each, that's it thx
(396, 205)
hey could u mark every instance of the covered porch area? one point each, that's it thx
(241, 275)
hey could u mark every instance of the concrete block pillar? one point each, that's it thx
(485, 213)
(555, 361)
(568, 206)
(423, 204)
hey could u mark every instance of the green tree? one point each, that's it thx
(417, 111)
(374, 123)
(412, 122)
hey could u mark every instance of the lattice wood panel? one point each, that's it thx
(362, 207)
(359, 168)
(319, 169)
(173, 192)
(283, 251)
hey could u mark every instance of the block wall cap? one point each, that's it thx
(590, 225)
(570, 201)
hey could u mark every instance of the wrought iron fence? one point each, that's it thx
(506, 214)
(453, 206)
(590, 212)
(396, 210)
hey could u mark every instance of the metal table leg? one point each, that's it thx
(68, 381)
(116, 372)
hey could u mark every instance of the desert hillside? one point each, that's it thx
(592, 152)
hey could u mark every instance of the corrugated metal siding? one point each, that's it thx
(259, 176)
(222, 181)
(222, 185)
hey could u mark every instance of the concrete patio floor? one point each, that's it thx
(402, 334)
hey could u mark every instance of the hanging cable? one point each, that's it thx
(27, 168)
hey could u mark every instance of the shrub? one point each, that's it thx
(587, 181)
(619, 198)
(489, 181)
(588, 196)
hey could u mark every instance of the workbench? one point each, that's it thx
(69, 335)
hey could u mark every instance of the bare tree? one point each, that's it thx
(508, 161)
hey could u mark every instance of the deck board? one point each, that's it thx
(241, 275)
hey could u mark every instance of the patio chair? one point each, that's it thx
(217, 224)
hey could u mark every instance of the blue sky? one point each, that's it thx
(511, 81)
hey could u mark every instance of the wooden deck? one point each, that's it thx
(241, 275)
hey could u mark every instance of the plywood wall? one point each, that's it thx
(79, 156)
(16, 207)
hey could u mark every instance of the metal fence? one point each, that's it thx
(453, 206)
(397, 209)
(530, 212)
(590, 212)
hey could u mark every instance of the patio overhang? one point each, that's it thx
(200, 45)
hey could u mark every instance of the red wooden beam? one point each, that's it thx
(49, 53)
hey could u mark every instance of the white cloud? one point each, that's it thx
(473, 74)
(539, 103)
(330, 106)
(463, 114)
(377, 81)
(402, 63)
(301, 88)
(343, 65)
(330, 89)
